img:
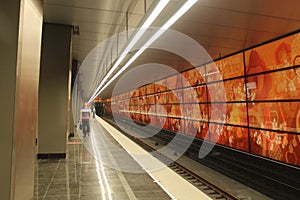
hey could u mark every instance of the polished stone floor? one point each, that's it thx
(109, 172)
(81, 176)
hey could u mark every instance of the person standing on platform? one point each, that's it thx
(85, 114)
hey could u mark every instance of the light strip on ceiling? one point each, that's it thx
(167, 25)
(157, 10)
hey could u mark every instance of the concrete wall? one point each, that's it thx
(54, 95)
(20, 36)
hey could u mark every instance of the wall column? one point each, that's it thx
(20, 62)
(54, 95)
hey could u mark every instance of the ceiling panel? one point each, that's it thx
(222, 27)
(275, 8)
(107, 5)
(97, 20)
(88, 35)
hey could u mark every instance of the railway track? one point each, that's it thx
(202, 184)
(212, 190)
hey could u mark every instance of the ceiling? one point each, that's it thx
(222, 27)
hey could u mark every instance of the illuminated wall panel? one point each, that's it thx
(174, 82)
(198, 129)
(283, 116)
(279, 85)
(225, 68)
(276, 145)
(278, 54)
(257, 112)
(231, 136)
(150, 89)
(193, 77)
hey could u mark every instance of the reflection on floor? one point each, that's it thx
(80, 176)
(114, 174)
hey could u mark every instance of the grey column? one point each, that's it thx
(54, 93)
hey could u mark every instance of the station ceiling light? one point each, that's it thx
(181, 11)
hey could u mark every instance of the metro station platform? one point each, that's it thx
(104, 165)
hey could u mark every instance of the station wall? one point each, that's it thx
(248, 101)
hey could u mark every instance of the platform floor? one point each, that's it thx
(77, 177)
(109, 172)
(80, 176)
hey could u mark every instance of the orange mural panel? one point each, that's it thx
(230, 113)
(278, 54)
(280, 85)
(201, 93)
(235, 90)
(145, 114)
(236, 114)
(179, 95)
(161, 98)
(235, 137)
(216, 92)
(124, 108)
(150, 88)
(152, 109)
(190, 95)
(284, 116)
(152, 120)
(142, 91)
(134, 101)
(195, 112)
(278, 146)
(217, 112)
(175, 124)
(161, 110)
(162, 122)
(160, 86)
(174, 110)
(172, 97)
(135, 93)
(174, 82)
(151, 99)
(229, 67)
(194, 76)
(231, 90)
(196, 129)
(195, 94)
